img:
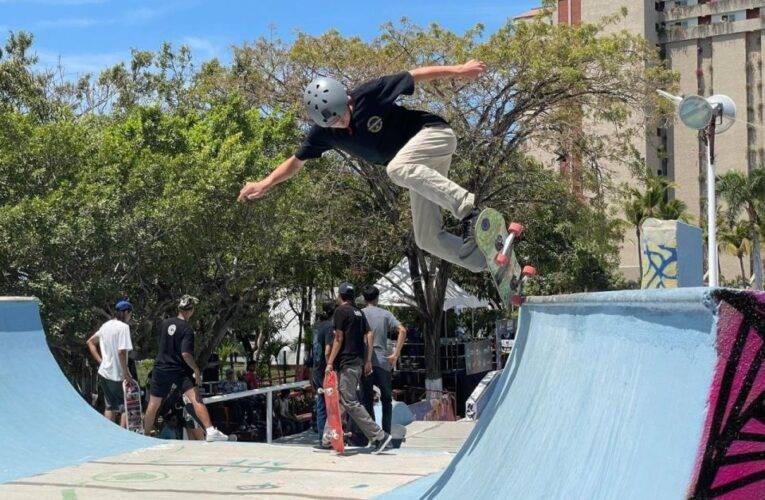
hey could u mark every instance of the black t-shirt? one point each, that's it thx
(378, 128)
(175, 338)
(352, 322)
(323, 336)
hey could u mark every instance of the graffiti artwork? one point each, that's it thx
(731, 461)
(660, 266)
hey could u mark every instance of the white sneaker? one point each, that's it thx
(216, 435)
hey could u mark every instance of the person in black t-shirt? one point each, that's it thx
(175, 365)
(350, 354)
(322, 339)
(415, 146)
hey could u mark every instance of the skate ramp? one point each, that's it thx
(44, 422)
(628, 395)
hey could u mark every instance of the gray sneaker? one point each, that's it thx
(381, 444)
(468, 233)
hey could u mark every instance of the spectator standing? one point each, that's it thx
(322, 340)
(175, 365)
(110, 346)
(354, 358)
(381, 322)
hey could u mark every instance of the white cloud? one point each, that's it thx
(69, 22)
(75, 65)
(203, 48)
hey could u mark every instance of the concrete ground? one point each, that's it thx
(291, 469)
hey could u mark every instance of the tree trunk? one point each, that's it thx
(741, 266)
(429, 289)
(640, 255)
(757, 259)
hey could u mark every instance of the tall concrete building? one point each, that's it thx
(716, 47)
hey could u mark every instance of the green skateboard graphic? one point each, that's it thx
(496, 241)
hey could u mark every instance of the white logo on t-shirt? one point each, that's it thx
(374, 124)
(171, 330)
(357, 313)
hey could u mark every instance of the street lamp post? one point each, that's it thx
(710, 116)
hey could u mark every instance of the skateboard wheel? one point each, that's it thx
(501, 259)
(529, 271)
(516, 300)
(515, 228)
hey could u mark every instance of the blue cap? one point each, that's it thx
(346, 289)
(123, 305)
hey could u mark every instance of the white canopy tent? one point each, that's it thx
(396, 291)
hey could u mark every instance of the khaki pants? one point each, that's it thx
(421, 166)
(347, 387)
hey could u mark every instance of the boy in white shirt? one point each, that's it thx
(110, 346)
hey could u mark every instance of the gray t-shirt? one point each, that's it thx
(381, 322)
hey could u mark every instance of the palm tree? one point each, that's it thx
(746, 192)
(652, 202)
(734, 240)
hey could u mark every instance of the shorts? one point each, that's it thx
(162, 382)
(114, 396)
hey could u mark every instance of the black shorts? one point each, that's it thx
(114, 396)
(162, 382)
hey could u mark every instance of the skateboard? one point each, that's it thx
(133, 407)
(496, 241)
(334, 430)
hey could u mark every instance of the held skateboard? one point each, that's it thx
(333, 432)
(133, 407)
(496, 240)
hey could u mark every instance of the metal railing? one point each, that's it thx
(268, 391)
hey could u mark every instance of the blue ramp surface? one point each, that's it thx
(45, 424)
(604, 397)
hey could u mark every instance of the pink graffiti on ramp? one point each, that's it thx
(731, 460)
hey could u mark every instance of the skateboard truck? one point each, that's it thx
(515, 229)
(528, 272)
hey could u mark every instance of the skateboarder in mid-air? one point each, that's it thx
(416, 147)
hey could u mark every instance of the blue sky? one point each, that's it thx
(90, 35)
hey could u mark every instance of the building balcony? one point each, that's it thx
(675, 12)
(679, 34)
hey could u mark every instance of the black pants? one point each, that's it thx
(382, 379)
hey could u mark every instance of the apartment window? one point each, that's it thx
(753, 13)
(705, 20)
(659, 6)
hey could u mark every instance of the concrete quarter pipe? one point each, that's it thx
(45, 423)
(628, 395)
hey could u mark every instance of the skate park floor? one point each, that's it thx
(288, 469)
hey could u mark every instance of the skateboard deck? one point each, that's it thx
(133, 406)
(496, 241)
(334, 430)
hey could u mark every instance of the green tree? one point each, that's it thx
(735, 240)
(745, 192)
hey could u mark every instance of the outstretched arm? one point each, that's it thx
(286, 170)
(470, 70)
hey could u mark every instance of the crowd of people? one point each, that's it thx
(354, 343)
(350, 340)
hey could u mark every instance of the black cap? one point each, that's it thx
(371, 293)
(346, 290)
